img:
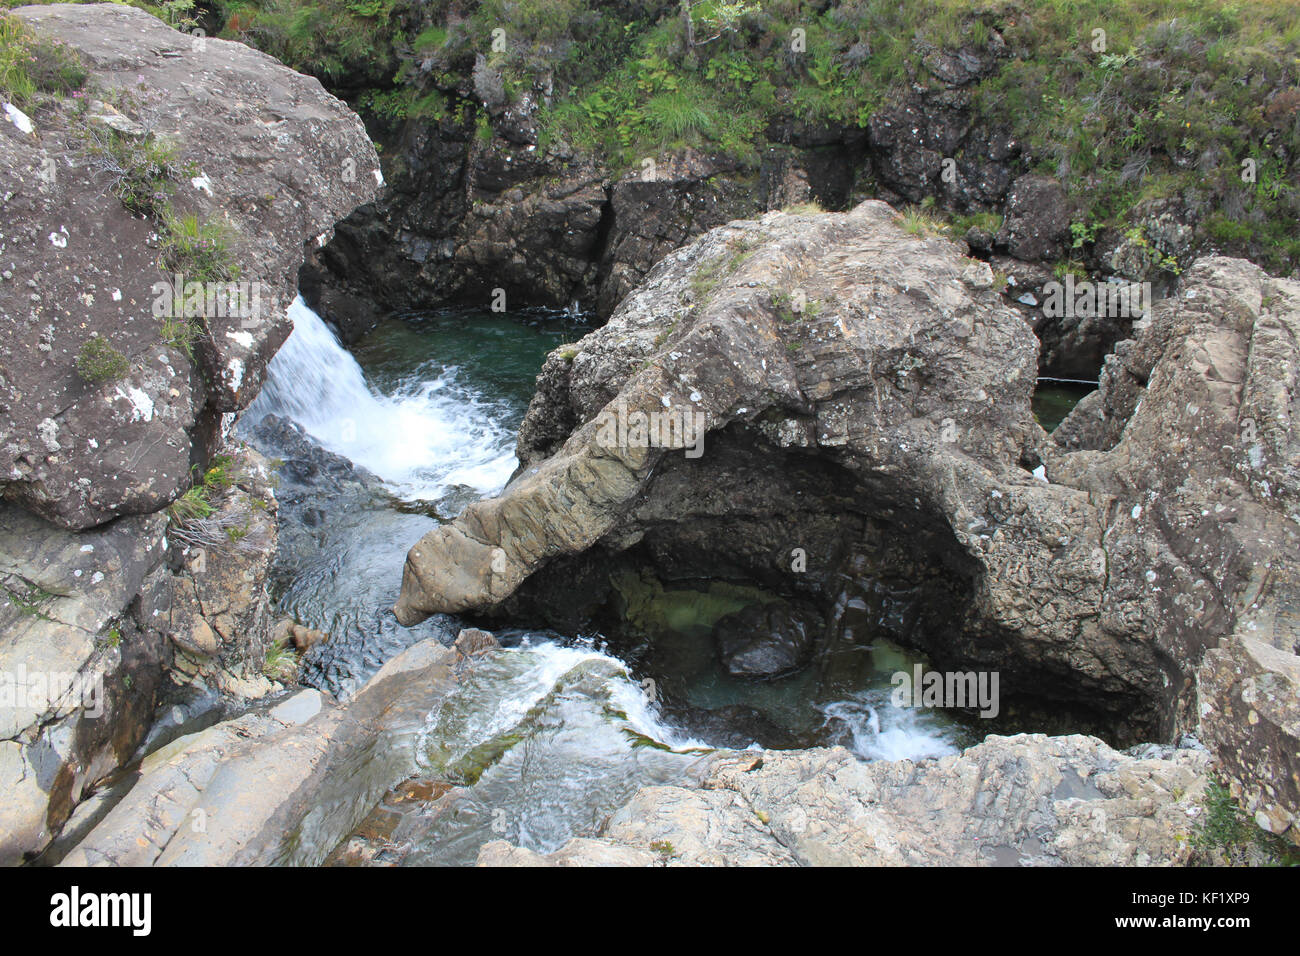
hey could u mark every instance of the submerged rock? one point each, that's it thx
(734, 726)
(764, 641)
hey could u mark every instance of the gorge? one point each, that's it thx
(387, 574)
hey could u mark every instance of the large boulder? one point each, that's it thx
(864, 397)
(875, 381)
(264, 152)
(1037, 220)
(122, 624)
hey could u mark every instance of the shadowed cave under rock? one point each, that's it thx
(850, 560)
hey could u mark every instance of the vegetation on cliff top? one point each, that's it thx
(1168, 105)
(30, 65)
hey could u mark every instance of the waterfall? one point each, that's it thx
(428, 435)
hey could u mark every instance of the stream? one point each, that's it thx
(541, 742)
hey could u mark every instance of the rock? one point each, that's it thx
(651, 215)
(299, 708)
(81, 670)
(764, 642)
(548, 225)
(1249, 695)
(235, 792)
(216, 605)
(471, 642)
(1192, 424)
(1027, 800)
(883, 436)
(126, 616)
(910, 140)
(1037, 221)
(734, 726)
(305, 638)
(1162, 241)
(306, 462)
(274, 158)
(114, 634)
(850, 409)
(579, 852)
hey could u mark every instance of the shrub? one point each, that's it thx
(97, 361)
(189, 506)
(139, 169)
(31, 65)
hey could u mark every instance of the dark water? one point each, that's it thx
(1053, 400)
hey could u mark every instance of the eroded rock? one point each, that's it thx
(284, 786)
(1027, 800)
(880, 435)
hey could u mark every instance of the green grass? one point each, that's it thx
(1182, 93)
(197, 249)
(1184, 90)
(29, 599)
(181, 332)
(281, 661)
(196, 503)
(189, 506)
(1226, 835)
(917, 222)
(30, 66)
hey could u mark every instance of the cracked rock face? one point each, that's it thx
(112, 618)
(97, 634)
(1027, 800)
(260, 149)
(884, 430)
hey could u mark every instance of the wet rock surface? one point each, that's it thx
(1027, 800)
(270, 786)
(764, 642)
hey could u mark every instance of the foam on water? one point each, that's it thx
(881, 730)
(423, 439)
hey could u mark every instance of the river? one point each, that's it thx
(545, 739)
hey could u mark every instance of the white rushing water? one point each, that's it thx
(552, 738)
(884, 731)
(423, 439)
